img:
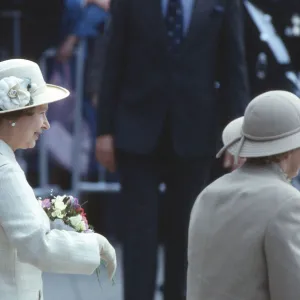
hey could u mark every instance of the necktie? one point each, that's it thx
(174, 24)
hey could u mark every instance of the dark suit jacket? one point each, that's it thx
(142, 82)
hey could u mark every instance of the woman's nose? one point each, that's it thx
(46, 124)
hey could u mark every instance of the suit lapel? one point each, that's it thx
(160, 27)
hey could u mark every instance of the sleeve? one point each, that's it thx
(82, 20)
(233, 69)
(23, 221)
(71, 17)
(74, 5)
(95, 65)
(282, 250)
(113, 65)
(91, 17)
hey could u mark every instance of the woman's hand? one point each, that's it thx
(108, 254)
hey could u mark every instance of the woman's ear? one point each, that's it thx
(285, 161)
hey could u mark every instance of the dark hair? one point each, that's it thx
(266, 160)
(15, 115)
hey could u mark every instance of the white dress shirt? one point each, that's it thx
(27, 245)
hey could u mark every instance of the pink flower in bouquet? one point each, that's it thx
(75, 202)
(83, 213)
(84, 219)
(46, 203)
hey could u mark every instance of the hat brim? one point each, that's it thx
(233, 133)
(51, 94)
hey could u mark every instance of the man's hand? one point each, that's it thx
(104, 4)
(228, 162)
(94, 100)
(105, 152)
(65, 51)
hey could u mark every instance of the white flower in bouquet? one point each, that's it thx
(59, 204)
(14, 93)
(78, 223)
(58, 214)
(59, 198)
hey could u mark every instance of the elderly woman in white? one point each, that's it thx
(244, 234)
(27, 244)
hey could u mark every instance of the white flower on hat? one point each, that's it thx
(14, 92)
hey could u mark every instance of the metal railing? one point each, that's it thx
(77, 186)
(16, 16)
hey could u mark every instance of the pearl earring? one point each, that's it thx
(13, 124)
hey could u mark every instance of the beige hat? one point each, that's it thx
(271, 125)
(22, 86)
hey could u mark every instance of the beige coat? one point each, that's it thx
(27, 245)
(244, 238)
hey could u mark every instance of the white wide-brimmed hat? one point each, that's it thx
(271, 125)
(22, 86)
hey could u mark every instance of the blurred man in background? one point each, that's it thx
(174, 73)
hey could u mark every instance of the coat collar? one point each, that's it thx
(268, 170)
(7, 151)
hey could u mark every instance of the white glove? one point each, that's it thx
(108, 254)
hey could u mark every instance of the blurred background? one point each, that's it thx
(64, 37)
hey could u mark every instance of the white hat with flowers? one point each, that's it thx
(22, 86)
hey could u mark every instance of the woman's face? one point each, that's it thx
(28, 128)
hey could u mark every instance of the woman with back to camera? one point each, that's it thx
(244, 234)
(27, 244)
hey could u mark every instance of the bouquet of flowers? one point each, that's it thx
(66, 213)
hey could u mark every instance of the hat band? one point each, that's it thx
(38, 90)
(270, 138)
(225, 147)
(245, 136)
